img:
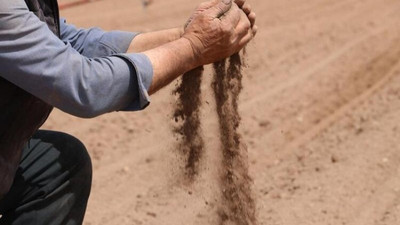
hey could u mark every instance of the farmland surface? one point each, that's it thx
(320, 117)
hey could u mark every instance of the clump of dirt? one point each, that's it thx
(187, 113)
(146, 3)
(238, 206)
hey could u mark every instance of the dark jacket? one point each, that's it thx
(21, 114)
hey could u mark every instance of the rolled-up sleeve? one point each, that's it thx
(94, 42)
(34, 59)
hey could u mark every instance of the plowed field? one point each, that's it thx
(320, 116)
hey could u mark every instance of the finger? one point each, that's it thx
(246, 39)
(240, 3)
(233, 16)
(252, 18)
(246, 8)
(248, 36)
(220, 9)
(243, 26)
(255, 30)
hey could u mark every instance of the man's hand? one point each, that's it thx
(218, 29)
(150, 40)
(245, 6)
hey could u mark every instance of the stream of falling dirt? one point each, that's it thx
(237, 204)
(188, 113)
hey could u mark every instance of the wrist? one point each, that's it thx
(176, 33)
(171, 60)
(191, 56)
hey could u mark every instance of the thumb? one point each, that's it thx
(220, 9)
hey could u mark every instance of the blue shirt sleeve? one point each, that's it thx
(94, 42)
(34, 59)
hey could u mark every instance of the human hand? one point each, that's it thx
(243, 4)
(246, 7)
(217, 30)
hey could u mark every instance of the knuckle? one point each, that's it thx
(233, 42)
(202, 18)
(235, 7)
(219, 8)
(227, 28)
(202, 5)
(247, 7)
(247, 25)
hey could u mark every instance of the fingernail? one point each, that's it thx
(227, 1)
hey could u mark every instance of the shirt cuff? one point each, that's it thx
(118, 41)
(144, 74)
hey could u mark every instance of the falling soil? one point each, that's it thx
(187, 113)
(238, 206)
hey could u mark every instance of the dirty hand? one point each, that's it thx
(246, 7)
(217, 30)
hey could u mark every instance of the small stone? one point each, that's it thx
(359, 130)
(151, 214)
(130, 130)
(276, 196)
(126, 169)
(334, 159)
(264, 123)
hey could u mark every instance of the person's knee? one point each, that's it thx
(73, 153)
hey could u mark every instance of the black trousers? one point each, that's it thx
(52, 184)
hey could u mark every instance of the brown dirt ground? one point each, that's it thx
(320, 109)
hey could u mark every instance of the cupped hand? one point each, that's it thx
(243, 4)
(246, 7)
(218, 29)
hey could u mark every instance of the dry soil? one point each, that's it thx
(320, 112)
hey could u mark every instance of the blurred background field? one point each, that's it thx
(320, 110)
